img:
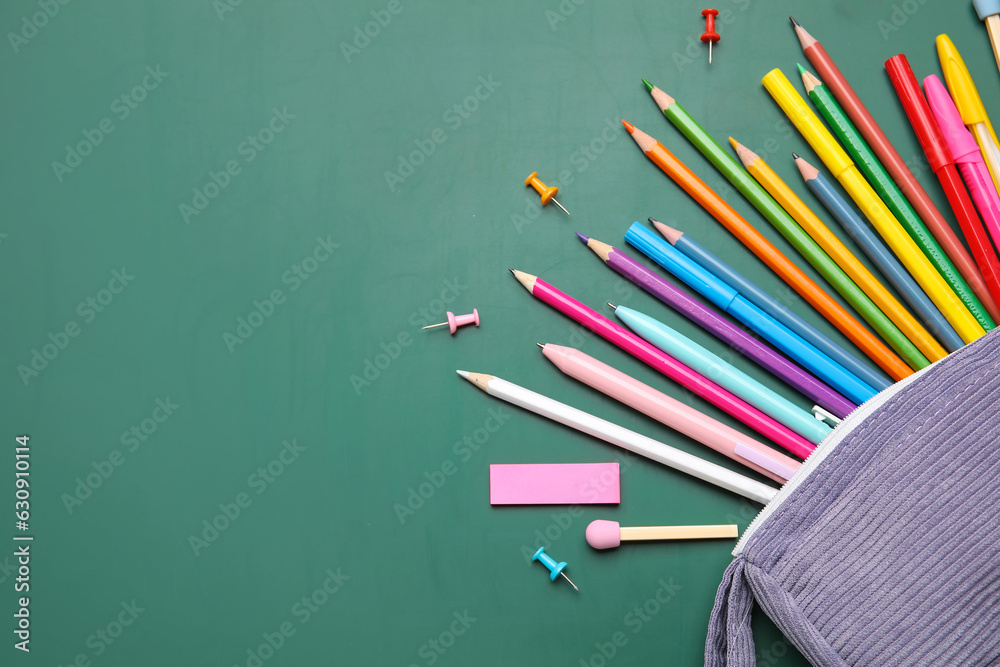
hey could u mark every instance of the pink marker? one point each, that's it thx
(666, 410)
(455, 322)
(966, 154)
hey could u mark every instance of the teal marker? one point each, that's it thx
(724, 374)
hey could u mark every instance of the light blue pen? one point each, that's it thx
(724, 374)
(770, 305)
(844, 213)
(729, 300)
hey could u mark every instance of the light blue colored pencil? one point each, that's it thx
(724, 374)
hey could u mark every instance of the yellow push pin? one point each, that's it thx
(547, 194)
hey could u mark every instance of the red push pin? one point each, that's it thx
(710, 35)
(454, 323)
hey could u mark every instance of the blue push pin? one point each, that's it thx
(555, 568)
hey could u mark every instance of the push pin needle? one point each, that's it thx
(454, 322)
(547, 194)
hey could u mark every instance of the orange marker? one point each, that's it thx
(548, 194)
(774, 258)
(710, 35)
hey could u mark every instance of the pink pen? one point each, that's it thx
(653, 356)
(965, 152)
(666, 410)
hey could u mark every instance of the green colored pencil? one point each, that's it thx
(786, 225)
(875, 173)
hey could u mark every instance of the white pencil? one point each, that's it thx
(622, 437)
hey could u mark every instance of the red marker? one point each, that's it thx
(710, 35)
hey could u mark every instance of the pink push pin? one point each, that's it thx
(454, 322)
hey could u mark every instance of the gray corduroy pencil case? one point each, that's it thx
(883, 548)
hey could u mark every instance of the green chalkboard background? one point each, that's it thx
(171, 168)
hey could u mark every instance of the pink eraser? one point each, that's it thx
(555, 484)
(604, 534)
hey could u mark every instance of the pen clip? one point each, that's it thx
(824, 416)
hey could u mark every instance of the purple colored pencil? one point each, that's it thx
(739, 340)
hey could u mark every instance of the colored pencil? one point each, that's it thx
(774, 258)
(905, 326)
(876, 251)
(786, 225)
(768, 303)
(671, 412)
(942, 163)
(989, 13)
(729, 300)
(622, 437)
(964, 153)
(664, 363)
(725, 375)
(891, 160)
(721, 328)
(844, 170)
(879, 180)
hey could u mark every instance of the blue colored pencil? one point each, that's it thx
(890, 267)
(729, 300)
(770, 305)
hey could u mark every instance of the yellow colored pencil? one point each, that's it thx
(839, 253)
(873, 208)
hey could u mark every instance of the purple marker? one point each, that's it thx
(722, 329)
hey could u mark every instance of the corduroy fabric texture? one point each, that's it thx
(888, 551)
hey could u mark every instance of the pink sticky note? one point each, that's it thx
(555, 484)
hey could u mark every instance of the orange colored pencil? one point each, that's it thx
(774, 258)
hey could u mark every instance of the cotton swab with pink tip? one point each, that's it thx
(609, 534)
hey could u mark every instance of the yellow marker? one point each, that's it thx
(970, 106)
(844, 170)
(839, 253)
(548, 194)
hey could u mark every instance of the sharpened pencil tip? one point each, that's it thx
(735, 144)
(628, 126)
(649, 86)
(794, 22)
(512, 272)
(612, 306)
(464, 374)
(540, 345)
(802, 70)
(584, 239)
(795, 156)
